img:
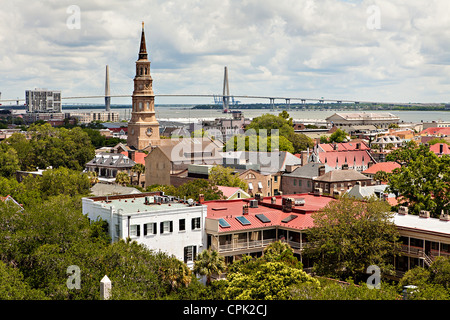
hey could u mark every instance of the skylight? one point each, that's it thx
(243, 220)
(223, 223)
(290, 218)
(262, 218)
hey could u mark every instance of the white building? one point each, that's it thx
(347, 120)
(43, 101)
(162, 223)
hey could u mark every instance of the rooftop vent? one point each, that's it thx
(403, 210)
(424, 214)
(253, 203)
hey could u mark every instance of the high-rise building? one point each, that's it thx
(43, 101)
(143, 128)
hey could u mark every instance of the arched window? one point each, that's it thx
(141, 71)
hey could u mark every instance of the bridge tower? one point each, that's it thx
(107, 91)
(226, 92)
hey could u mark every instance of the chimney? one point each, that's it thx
(132, 154)
(321, 170)
(245, 209)
(444, 216)
(259, 197)
(201, 198)
(424, 214)
(403, 210)
(304, 156)
(287, 204)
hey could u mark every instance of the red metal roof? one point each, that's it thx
(230, 209)
(436, 131)
(382, 166)
(344, 146)
(435, 148)
(352, 158)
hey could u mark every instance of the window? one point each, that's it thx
(250, 186)
(295, 182)
(299, 182)
(135, 230)
(166, 227)
(275, 179)
(150, 228)
(190, 252)
(260, 185)
(182, 225)
(195, 223)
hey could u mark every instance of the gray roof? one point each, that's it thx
(342, 175)
(309, 170)
(111, 160)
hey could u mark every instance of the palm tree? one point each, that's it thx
(122, 178)
(138, 168)
(93, 177)
(209, 262)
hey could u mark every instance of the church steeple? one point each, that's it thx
(143, 128)
(143, 49)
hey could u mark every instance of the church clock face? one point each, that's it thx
(149, 131)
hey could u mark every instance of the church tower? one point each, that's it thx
(143, 128)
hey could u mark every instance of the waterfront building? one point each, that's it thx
(348, 120)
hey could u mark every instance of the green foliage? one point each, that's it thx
(271, 281)
(300, 142)
(272, 122)
(423, 180)
(52, 147)
(139, 169)
(350, 235)
(209, 263)
(381, 176)
(338, 136)
(224, 176)
(123, 178)
(191, 189)
(437, 140)
(332, 290)
(9, 161)
(13, 286)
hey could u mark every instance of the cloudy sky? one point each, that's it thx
(368, 50)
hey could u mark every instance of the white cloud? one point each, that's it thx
(281, 48)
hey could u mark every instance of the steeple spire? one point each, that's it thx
(143, 48)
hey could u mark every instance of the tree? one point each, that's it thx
(279, 251)
(382, 176)
(350, 235)
(423, 181)
(9, 161)
(270, 121)
(224, 176)
(208, 263)
(338, 136)
(300, 142)
(139, 169)
(122, 178)
(271, 281)
(194, 188)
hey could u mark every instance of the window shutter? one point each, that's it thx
(194, 253)
(171, 226)
(193, 224)
(154, 228)
(185, 254)
(145, 229)
(138, 230)
(161, 227)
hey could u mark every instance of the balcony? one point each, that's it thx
(239, 245)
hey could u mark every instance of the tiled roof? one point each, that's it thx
(229, 210)
(382, 166)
